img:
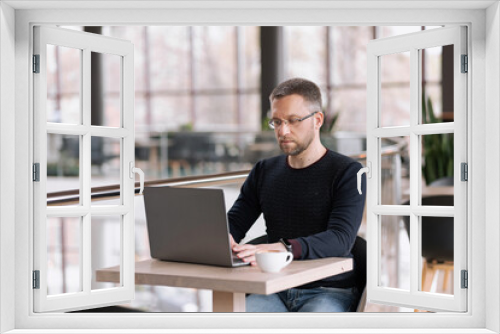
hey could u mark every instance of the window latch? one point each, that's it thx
(368, 171)
(135, 170)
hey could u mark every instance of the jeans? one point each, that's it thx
(305, 300)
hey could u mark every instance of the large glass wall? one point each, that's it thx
(197, 111)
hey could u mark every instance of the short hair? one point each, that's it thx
(309, 91)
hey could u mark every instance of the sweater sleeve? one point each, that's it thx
(246, 209)
(344, 221)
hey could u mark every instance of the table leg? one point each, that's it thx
(228, 301)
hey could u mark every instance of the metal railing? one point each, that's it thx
(71, 197)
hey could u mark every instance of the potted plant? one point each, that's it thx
(437, 149)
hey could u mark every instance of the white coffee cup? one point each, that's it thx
(272, 261)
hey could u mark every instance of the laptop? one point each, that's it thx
(189, 225)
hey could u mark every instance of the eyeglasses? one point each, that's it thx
(276, 123)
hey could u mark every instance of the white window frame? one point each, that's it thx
(86, 43)
(413, 43)
(483, 103)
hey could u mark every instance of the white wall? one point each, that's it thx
(486, 117)
(492, 154)
(7, 65)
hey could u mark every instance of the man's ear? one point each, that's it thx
(319, 118)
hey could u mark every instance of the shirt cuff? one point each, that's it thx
(296, 248)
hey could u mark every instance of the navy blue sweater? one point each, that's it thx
(318, 208)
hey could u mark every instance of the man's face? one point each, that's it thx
(293, 139)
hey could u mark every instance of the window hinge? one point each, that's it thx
(465, 279)
(465, 64)
(36, 63)
(464, 171)
(36, 279)
(36, 172)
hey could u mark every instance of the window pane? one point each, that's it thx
(63, 164)
(135, 34)
(437, 254)
(63, 255)
(437, 83)
(395, 89)
(349, 55)
(106, 89)
(250, 57)
(171, 112)
(438, 165)
(215, 112)
(106, 234)
(350, 105)
(169, 66)
(106, 163)
(249, 119)
(306, 53)
(395, 171)
(215, 57)
(394, 253)
(63, 84)
(140, 115)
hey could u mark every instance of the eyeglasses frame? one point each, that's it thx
(287, 122)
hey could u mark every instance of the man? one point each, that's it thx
(309, 200)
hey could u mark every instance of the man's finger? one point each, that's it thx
(243, 247)
(249, 259)
(246, 253)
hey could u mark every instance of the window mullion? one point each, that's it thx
(85, 167)
(415, 183)
(85, 254)
(85, 158)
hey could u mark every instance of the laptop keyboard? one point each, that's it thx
(237, 259)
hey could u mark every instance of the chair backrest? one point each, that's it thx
(437, 232)
(359, 257)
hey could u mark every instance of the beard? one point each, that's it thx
(294, 147)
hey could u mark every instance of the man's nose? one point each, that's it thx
(283, 129)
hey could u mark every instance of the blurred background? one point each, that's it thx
(201, 108)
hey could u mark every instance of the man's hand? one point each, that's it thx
(246, 252)
(231, 241)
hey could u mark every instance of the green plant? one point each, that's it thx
(330, 122)
(265, 124)
(437, 149)
(186, 127)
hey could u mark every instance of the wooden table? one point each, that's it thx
(229, 285)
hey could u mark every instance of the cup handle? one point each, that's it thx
(289, 259)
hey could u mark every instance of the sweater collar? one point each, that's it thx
(311, 165)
